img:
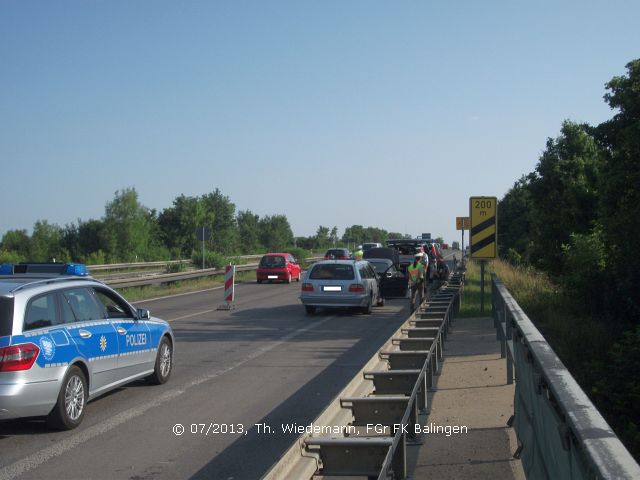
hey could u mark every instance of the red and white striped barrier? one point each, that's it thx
(229, 282)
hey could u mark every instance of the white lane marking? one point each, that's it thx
(36, 459)
(191, 315)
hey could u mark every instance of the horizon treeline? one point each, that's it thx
(131, 232)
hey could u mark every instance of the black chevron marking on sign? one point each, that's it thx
(482, 243)
(481, 226)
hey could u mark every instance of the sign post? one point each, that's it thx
(203, 233)
(483, 238)
(462, 223)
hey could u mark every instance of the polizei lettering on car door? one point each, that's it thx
(136, 339)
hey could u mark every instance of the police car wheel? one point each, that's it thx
(164, 363)
(72, 400)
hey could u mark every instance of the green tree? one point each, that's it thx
(322, 237)
(620, 195)
(354, 234)
(333, 236)
(514, 229)
(375, 234)
(45, 243)
(92, 239)
(177, 225)
(275, 232)
(584, 268)
(128, 227)
(564, 193)
(219, 212)
(249, 232)
(17, 241)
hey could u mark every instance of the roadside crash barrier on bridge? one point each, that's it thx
(560, 432)
(365, 430)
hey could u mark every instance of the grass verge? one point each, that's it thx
(134, 294)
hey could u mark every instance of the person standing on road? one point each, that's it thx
(425, 265)
(415, 272)
(358, 254)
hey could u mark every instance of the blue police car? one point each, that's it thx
(66, 338)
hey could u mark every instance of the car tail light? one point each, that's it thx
(18, 357)
(307, 287)
(356, 287)
(342, 257)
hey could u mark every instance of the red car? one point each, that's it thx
(278, 266)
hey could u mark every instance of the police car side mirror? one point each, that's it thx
(143, 314)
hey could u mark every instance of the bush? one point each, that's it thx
(96, 258)
(211, 259)
(513, 257)
(7, 256)
(617, 390)
(583, 269)
(237, 260)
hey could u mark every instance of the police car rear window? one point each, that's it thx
(332, 272)
(6, 316)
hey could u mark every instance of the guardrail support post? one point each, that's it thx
(399, 462)
(509, 337)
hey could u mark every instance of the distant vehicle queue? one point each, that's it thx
(363, 278)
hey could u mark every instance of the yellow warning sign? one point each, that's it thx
(483, 213)
(462, 223)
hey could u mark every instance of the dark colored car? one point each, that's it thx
(338, 254)
(407, 248)
(393, 283)
(383, 252)
(278, 267)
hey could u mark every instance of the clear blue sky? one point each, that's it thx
(378, 113)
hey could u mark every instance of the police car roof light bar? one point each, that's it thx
(6, 269)
(75, 269)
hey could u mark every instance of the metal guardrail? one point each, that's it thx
(561, 433)
(161, 263)
(175, 277)
(388, 392)
(123, 266)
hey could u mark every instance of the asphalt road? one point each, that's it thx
(265, 362)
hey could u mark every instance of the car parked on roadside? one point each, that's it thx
(341, 283)
(66, 338)
(275, 267)
(338, 254)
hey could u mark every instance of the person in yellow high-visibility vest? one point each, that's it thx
(358, 254)
(415, 272)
